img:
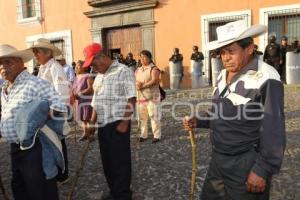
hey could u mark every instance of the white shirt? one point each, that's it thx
(53, 72)
(69, 72)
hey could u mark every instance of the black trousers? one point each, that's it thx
(28, 178)
(227, 175)
(65, 153)
(116, 160)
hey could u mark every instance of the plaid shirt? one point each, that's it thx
(25, 88)
(111, 93)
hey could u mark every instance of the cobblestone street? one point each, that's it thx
(162, 171)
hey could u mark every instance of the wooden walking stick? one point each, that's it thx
(194, 164)
(3, 189)
(80, 167)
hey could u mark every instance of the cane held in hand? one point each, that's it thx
(194, 164)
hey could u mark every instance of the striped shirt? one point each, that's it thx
(111, 93)
(25, 88)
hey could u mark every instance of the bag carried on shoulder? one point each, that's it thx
(161, 90)
(162, 93)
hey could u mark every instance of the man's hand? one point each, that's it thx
(189, 123)
(255, 183)
(122, 126)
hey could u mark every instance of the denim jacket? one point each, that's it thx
(32, 121)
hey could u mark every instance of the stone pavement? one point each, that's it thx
(162, 171)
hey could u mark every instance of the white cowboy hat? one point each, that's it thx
(44, 43)
(235, 31)
(10, 51)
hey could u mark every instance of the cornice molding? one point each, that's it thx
(99, 3)
(121, 8)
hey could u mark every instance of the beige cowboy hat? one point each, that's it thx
(44, 43)
(10, 51)
(235, 31)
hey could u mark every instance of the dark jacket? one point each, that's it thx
(249, 113)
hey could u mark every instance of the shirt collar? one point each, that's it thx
(23, 75)
(49, 63)
(148, 66)
(111, 68)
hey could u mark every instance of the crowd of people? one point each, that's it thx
(247, 149)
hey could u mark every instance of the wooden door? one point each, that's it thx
(126, 40)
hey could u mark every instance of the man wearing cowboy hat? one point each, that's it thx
(50, 70)
(19, 89)
(246, 119)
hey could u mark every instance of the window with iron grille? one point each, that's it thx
(285, 23)
(61, 45)
(28, 11)
(28, 8)
(211, 32)
(214, 23)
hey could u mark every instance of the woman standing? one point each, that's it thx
(148, 97)
(82, 89)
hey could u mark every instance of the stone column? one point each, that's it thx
(97, 35)
(148, 36)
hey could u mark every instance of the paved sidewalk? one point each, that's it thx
(162, 171)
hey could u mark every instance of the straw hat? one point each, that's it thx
(10, 51)
(44, 43)
(235, 31)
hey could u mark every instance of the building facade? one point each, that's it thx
(124, 26)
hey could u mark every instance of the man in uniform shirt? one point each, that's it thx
(246, 119)
(113, 104)
(272, 54)
(283, 49)
(19, 89)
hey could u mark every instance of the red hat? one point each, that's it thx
(89, 52)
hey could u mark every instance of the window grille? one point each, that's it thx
(28, 9)
(214, 23)
(285, 23)
(211, 32)
(60, 43)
